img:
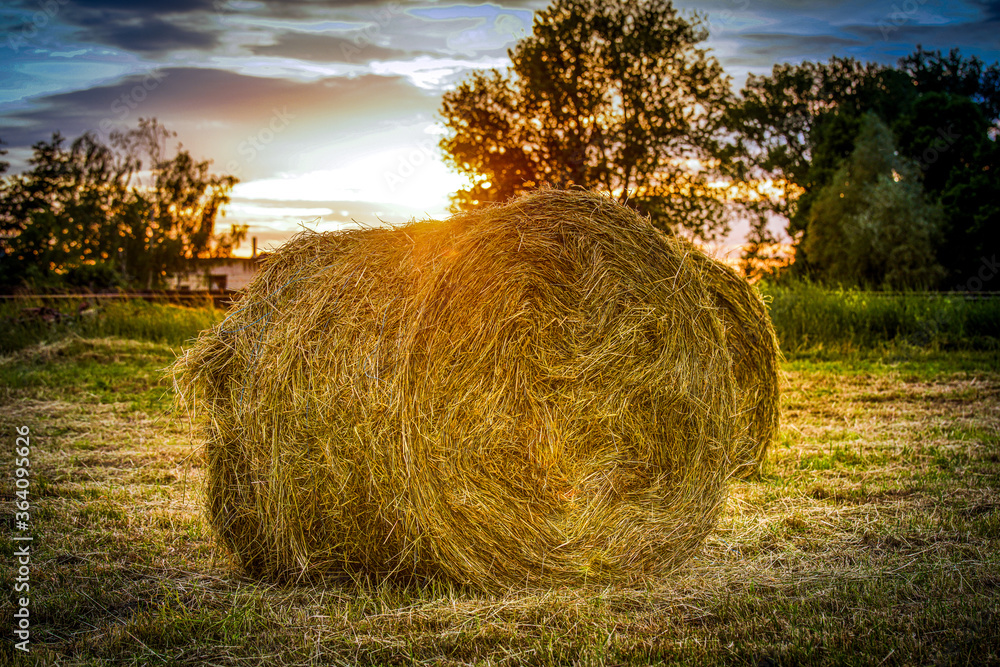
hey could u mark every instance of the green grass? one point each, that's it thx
(872, 537)
(810, 318)
(133, 319)
(811, 322)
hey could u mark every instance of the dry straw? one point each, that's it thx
(533, 394)
(753, 345)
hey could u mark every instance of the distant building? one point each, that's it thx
(217, 274)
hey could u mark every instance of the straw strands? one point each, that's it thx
(537, 393)
(753, 345)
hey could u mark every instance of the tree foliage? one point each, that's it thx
(949, 137)
(870, 225)
(124, 213)
(614, 96)
(970, 78)
(798, 127)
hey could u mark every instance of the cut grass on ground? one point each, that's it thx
(872, 537)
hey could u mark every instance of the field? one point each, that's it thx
(871, 537)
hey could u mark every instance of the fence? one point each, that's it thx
(219, 298)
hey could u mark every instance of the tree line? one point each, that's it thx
(129, 212)
(884, 176)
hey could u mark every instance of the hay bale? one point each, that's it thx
(753, 345)
(533, 394)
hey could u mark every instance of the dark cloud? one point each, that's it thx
(778, 9)
(761, 51)
(157, 28)
(990, 9)
(330, 48)
(142, 27)
(152, 28)
(145, 7)
(148, 35)
(314, 8)
(979, 38)
(208, 94)
(781, 46)
(883, 43)
(751, 36)
(755, 35)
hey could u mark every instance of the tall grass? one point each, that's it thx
(806, 317)
(809, 317)
(133, 319)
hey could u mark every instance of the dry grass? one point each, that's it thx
(535, 394)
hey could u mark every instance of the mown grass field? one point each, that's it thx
(872, 536)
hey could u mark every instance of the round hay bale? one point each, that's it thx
(532, 394)
(753, 345)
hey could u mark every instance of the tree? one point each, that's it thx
(170, 218)
(790, 131)
(871, 225)
(614, 96)
(795, 128)
(53, 217)
(83, 210)
(933, 72)
(949, 136)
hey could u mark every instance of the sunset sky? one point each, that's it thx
(327, 111)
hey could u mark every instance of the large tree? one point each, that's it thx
(870, 225)
(797, 127)
(54, 218)
(615, 96)
(948, 134)
(171, 217)
(127, 212)
(790, 130)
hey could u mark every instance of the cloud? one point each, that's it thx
(217, 112)
(151, 28)
(143, 6)
(289, 215)
(312, 8)
(148, 34)
(154, 29)
(355, 49)
(751, 36)
(973, 38)
(769, 48)
(143, 27)
(990, 9)
(276, 90)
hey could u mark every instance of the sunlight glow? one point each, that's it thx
(409, 176)
(239, 208)
(431, 73)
